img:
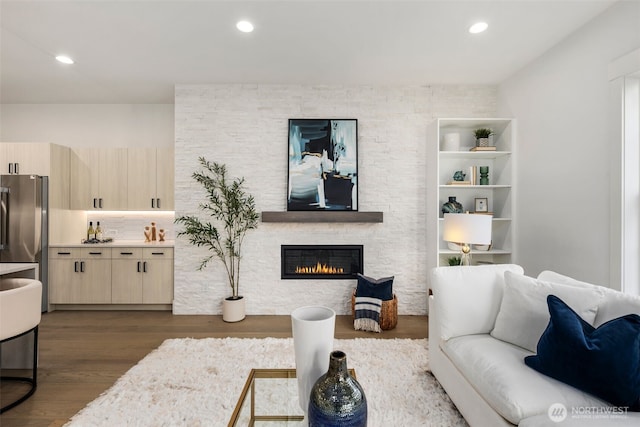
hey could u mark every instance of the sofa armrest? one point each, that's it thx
(466, 299)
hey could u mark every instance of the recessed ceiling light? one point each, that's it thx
(478, 27)
(244, 26)
(64, 59)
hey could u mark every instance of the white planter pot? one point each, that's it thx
(313, 331)
(233, 310)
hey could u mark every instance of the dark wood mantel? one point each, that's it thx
(321, 216)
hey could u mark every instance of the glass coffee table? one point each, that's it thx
(269, 398)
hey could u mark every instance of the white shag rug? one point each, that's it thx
(197, 382)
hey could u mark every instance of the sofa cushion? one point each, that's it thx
(615, 304)
(497, 371)
(523, 314)
(475, 291)
(603, 361)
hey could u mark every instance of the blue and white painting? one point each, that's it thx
(323, 165)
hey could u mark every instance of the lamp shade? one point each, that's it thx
(467, 228)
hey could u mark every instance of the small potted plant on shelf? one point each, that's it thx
(482, 137)
(453, 261)
(233, 213)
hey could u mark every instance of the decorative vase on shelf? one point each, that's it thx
(337, 399)
(452, 206)
(451, 142)
(484, 175)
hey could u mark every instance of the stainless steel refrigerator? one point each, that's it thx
(24, 224)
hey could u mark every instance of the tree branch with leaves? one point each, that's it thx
(233, 213)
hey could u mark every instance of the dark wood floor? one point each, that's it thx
(82, 353)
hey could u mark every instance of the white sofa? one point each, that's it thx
(486, 377)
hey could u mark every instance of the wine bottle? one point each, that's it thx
(98, 231)
(91, 232)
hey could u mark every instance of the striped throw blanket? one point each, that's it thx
(367, 314)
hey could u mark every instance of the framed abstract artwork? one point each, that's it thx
(323, 165)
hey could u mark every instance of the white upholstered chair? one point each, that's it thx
(20, 313)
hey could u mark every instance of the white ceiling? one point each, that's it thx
(135, 51)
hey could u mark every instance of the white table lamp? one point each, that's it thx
(467, 229)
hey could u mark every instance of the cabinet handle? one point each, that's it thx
(157, 253)
(100, 203)
(10, 168)
(64, 253)
(95, 253)
(81, 266)
(16, 168)
(126, 253)
(144, 266)
(95, 203)
(138, 266)
(75, 266)
(158, 203)
(153, 201)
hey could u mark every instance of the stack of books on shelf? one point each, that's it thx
(491, 148)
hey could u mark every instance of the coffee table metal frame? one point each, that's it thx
(249, 390)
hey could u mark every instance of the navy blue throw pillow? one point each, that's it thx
(604, 361)
(375, 288)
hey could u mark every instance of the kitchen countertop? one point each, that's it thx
(117, 244)
(15, 267)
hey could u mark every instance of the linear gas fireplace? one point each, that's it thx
(321, 261)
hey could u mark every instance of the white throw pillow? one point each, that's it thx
(523, 314)
(467, 298)
(615, 304)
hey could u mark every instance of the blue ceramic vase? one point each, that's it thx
(452, 206)
(337, 399)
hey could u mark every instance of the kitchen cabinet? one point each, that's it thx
(44, 159)
(98, 178)
(24, 158)
(142, 276)
(157, 279)
(80, 276)
(111, 276)
(150, 174)
(126, 278)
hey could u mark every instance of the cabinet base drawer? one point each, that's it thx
(111, 307)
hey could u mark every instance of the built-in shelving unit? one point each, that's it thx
(500, 192)
(321, 216)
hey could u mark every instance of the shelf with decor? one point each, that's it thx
(458, 173)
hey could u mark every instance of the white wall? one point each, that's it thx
(82, 125)
(561, 101)
(245, 127)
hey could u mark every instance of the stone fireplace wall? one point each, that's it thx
(245, 127)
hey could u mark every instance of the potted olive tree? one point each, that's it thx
(233, 213)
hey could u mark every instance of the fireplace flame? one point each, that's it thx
(319, 269)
